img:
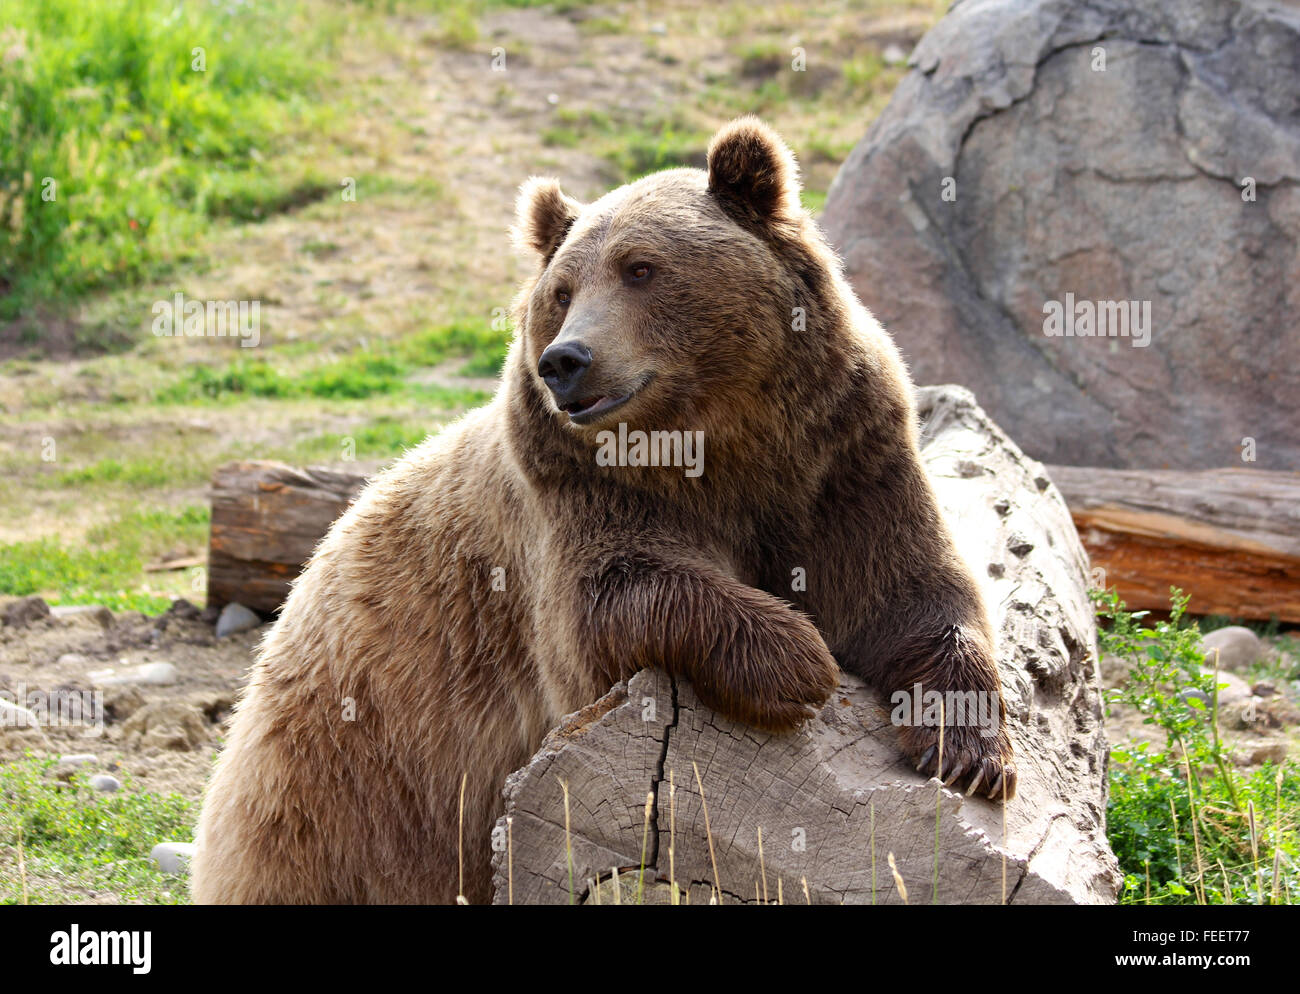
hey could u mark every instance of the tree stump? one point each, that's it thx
(831, 813)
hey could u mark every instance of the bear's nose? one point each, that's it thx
(562, 365)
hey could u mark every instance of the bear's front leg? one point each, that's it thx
(947, 682)
(749, 655)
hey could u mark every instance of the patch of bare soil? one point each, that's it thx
(89, 675)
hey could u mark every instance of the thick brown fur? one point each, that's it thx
(745, 331)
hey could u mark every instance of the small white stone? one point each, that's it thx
(173, 857)
(161, 674)
(235, 618)
(79, 759)
(105, 784)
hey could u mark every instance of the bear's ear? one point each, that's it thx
(752, 172)
(543, 217)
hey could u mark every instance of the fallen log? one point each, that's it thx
(1230, 538)
(266, 520)
(716, 811)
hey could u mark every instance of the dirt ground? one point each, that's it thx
(166, 736)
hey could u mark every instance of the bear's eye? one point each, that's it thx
(638, 272)
(562, 297)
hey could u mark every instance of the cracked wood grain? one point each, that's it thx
(834, 798)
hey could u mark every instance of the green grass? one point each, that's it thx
(107, 566)
(384, 370)
(1187, 826)
(141, 149)
(380, 439)
(76, 841)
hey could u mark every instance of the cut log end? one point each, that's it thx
(841, 817)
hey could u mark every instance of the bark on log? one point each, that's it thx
(834, 801)
(1230, 538)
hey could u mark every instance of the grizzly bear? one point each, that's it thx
(500, 576)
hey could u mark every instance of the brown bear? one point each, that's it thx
(502, 575)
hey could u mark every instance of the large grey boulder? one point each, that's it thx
(1114, 150)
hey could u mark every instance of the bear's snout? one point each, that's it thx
(562, 367)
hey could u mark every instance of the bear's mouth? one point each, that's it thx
(585, 410)
(589, 408)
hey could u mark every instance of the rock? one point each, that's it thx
(24, 611)
(1112, 150)
(96, 613)
(159, 674)
(156, 674)
(1192, 694)
(172, 857)
(1237, 647)
(1268, 752)
(236, 618)
(72, 659)
(105, 784)
(894, 55)
(122, 701)
(79, 759)
(1232, 688)
(1264, 688)
(170, 725)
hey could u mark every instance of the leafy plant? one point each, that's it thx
(1186, 825)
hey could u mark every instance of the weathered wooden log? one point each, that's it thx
(843, 819)
(1230, 538)
(266, 520)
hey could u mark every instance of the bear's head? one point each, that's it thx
(687, 300)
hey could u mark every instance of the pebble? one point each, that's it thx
(173, 857)
(79, 759)
(158, 674)
(161, 674)
(105, 784)
(236, 618)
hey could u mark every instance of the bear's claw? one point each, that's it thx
(984, 775)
